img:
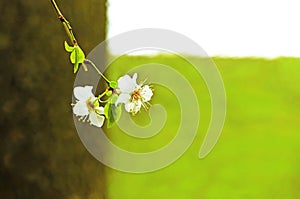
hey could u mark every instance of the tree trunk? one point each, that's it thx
(41, 153)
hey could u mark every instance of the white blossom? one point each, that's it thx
(133, 95)
(87, 106)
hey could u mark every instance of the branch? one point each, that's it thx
(66, 23)
(67, 26)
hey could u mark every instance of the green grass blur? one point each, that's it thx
(257, 155)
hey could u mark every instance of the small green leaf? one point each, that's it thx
(106, 110)
(68, 48)
(116, 111)
(113, 98)
(73, 57)
(77, 57)
(113, 84)
(80, 54)
(76, 67)
(112, 113)
(115, 114)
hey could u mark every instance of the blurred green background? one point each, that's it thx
(257, 155)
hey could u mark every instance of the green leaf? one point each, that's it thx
(112, 113)
(80, 54)
(77, 57)
(113, 98)
(73, 57)
(113, 84)
(75, 69)
(106, 110)
(68, 48)
(115, 114)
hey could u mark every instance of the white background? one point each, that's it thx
(261, 28)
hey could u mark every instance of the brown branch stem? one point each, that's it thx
(67, 26)
(65, 22)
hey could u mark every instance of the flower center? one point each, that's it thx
(90, 104)
(135, 95)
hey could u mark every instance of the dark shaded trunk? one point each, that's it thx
(41, 153)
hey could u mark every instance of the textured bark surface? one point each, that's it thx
(41, 153)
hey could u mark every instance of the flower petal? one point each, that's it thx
(146, 93)
(80, 109)
(96, 119)
(99, 110)
(123, 98)
(133, 107)
(134, 77)
(83, 93)
(127, 84)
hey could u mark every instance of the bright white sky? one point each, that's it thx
(264, 28)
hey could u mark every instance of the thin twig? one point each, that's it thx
(65, 23)
(98, 71)
(67, 26)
